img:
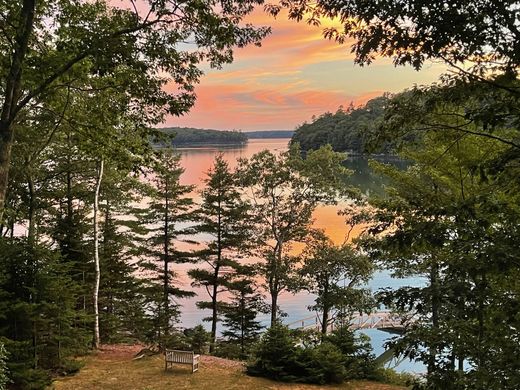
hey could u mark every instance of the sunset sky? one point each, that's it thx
(294, 75)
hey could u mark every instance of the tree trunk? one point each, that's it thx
(31, 231)
(214, 310)
(242, 323)
(435, 304)
(274, 281)
(214, 298)
(96, 255)
(274, 305)
(12, 90)
(166, 281)
(6, 140)
(326, 309)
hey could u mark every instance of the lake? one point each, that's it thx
(198, 160)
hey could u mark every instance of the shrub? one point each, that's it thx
(357, 351)
(273, 357)
(390, 376)
(277, 357)
(31, 379)
(69, 367)
(198, 339)
(228, 350)
(321, 364)
(4, 379)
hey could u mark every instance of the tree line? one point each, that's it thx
(102, 240)
(191, 136)
(82, 86)
(451, 218)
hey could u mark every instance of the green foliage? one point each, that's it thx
(454, 223)
(291, 356)
(198, 339)
(356, 350)
(240, 312)
(190, 136)
(286, 189)
(39, 323)
(273, 357)
(4, 373)
(162, 221)
(344, 130)
(335, 275)
(321, 364)
(223, 215)
(390, 376)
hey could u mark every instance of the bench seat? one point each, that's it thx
(172, 356)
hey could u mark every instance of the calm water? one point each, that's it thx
(197, 161)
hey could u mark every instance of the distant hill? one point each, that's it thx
(191, 136)
(269, 134)
(344, 130)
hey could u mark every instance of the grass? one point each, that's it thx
(113, 368)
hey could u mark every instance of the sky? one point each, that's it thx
(294, 75)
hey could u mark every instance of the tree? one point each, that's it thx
(99, 177)
(334, 274)
(284, 191)
(39, 322)
(223, 215)
(345, 130)
(46, 45)
(240, 313)
(170, 207)
(450, 220)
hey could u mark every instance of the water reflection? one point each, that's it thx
(198, 161)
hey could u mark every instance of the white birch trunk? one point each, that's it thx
(96, 255)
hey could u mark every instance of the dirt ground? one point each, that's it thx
(114, 367)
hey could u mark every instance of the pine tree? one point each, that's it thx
(168, 219)
(285, 189)
(241, 311)
(222, 215)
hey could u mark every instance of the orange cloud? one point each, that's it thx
(295, 74)
(239, 107)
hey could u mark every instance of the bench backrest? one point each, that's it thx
(179, 356)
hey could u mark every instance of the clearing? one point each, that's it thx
(113, 368)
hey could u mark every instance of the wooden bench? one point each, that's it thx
(181, 357)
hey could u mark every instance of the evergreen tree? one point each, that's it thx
(39, 321)
(453, 222)
(284, 190)
(223, 215)
(168, 223)
(240, 314)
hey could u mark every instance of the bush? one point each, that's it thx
(390, 376)
(273, 357)
(321, 364)
(277, 357)
(198, 339)
(228, 350)
(69, 367)
(359, 360)
(31, 379)
(4, 379)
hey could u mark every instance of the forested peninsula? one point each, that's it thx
(191, 136)
(188, 136)
(346, 130)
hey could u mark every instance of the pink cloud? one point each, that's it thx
(240, 107)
